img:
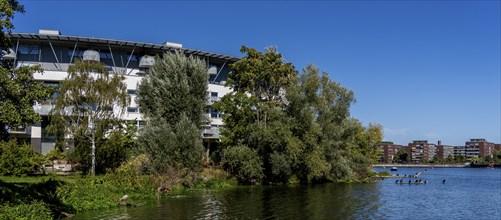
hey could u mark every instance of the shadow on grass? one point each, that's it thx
(16, 193)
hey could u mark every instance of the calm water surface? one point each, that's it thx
(469, 193)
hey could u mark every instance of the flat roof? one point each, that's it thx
(111, 42)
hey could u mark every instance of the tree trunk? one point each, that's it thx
(208, 152)
(93, 154)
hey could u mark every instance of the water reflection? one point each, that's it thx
(468, 194)
(328, 201)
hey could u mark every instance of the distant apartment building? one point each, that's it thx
(497, 147)
(459, 151)
(444, 151)
(430, 152)
(421, 151)
(478, 148)
(388, 151)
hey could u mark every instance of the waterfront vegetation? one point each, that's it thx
(282, 126)
(295, 131)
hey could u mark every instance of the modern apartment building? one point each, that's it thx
(54, 52)
(459, 151)
(444, 151)
(478, 148)
(388, 151)
(421, 151)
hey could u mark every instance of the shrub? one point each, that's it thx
(35, 210)
(244, 163)
(55, 154)
(176, 146)
(18, 159)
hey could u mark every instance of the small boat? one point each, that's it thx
(394, 168)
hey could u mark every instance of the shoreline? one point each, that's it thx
(423, 165)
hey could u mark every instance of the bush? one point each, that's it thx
(55, 154)
(215, 178)
(176, 146)
(18, 159)
(244, 163)
(35, 210)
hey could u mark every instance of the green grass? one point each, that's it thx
(38, 179)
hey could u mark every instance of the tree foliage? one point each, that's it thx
(7, 10)
(173, 96)
(176, 84)
(18, 159)
(402, 156)
(18, 94)
(91, 102)
(298, 127)
(262, 75)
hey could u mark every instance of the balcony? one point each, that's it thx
(210, 133)
(20, 130)
(213, 99)
(43, 108)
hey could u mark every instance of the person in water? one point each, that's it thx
(443, 182)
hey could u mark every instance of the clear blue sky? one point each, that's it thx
(422, 69)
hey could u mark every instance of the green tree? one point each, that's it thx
(496, 156)
(173, 96)
(7, 10)
(299, 126)
(263, 75)
(254, 117)
(175, 84)
(91, 102)
(459, 159)
(116, 148)
(402, 156)
(18, 93)
(449, 159)
(18, 159)
(18, 90)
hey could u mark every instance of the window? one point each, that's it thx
(105, 55)
(133, 57)
(140, 124)
(214, 113)
(28, 52)
(77, 53)
(213, 97)
(133, 109)
(28, 49)
(131, 91)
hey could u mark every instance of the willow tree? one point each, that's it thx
(173, 96)
(91, 101)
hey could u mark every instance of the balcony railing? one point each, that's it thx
(20, 130)
(210, 133)
(43, 108)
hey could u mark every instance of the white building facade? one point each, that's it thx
(55, 53)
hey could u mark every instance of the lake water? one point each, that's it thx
(468, 193)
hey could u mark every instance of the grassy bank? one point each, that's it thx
(52, 197)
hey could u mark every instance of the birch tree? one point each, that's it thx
(90, 103)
